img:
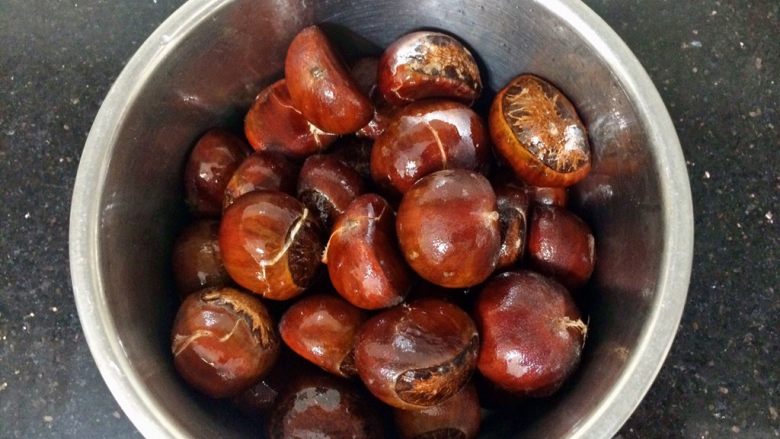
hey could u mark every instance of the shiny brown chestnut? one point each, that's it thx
(536, 129)
(561, 245)
(426, 137)
(197, 262)
(354, 152)
(458, 418)
(322, 330)
(264, 170)
(321, 86)
(448, 228)
(513, 207)
(209, 167)
(326, 186)
(270, 244)
(364, 263)
(417, 354)
(427, 65)
(532, 333)
(223, 341)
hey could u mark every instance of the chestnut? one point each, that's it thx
(223, 341)
(513, 203)
(427, 65)
(448, 228)
(536, 129)
(270, 244)
(197, 262)
(426, 137)
(261, 170)
(550, 196)
(274, 124)
(532, 333)
(417, 354)
(365, 72)
(354, 152)
(326, 186)
(322, 330)
(364, 263)
(458, 417)
(321, 87)
(561, 245)
(209, 167)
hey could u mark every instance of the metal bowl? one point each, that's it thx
(203, 66)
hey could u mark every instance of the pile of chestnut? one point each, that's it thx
(429, 220)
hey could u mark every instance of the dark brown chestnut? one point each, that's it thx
(270, 244)
(223, 341)
(448, 228)
(550, 196)
(321, 86)
(536, 129)
(354, 152)
(426, 137)
(363, 71)
(532, 333)
(458, 418)
(364, 263)
(427, 65)
(326, 186)
(561, 245)
(209, 167)
(322, 330)
(513, 207)
(197, 262)
(417, 354)
(262, 170)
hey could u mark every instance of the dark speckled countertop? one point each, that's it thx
(716, 64)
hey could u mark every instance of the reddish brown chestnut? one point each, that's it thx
(561, 245)
(418, 354)
(448, 228)
(223, 341)
(513, 203)
(427, 65)
(262, 170)
(426, 137)
(536, 129)
(532, 333)
(270, 244)
(550, 196)
(322, 330)
(209, 167)
(197, 262)
(274, 124)
(326, 186)
(363, 260)
(354, 152)
(321, 87)
(456, 418)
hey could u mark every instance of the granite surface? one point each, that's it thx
(716, 64)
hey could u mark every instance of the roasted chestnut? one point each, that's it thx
(270, 243)
(326, 186)
(513, 203)
(322, 330)
(536, 129)
(448, 228)
(363, 260)
(261, 170)
(561, 245)
(426, 137)
(417, 354)
(427, 65)
(458, 417)
(223, 341)
(209, 167)
(197, 262)
(321, 87)
(532, 333)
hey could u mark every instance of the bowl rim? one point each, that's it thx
(644, 363)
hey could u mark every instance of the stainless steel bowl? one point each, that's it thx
(203, 66)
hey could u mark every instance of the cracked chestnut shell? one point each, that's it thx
(532, 333)
(456, 418)
(261, 170)
(322, 329)
(223, 341)
(513, 207)
(417, 354)
(321, 87)
(196, 260)
(448, 228)
(426, 137)
(427, 65)
(364, 263)
(537, 131)
(326, 186)
(270, 244)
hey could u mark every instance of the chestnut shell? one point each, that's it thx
(456, 418)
